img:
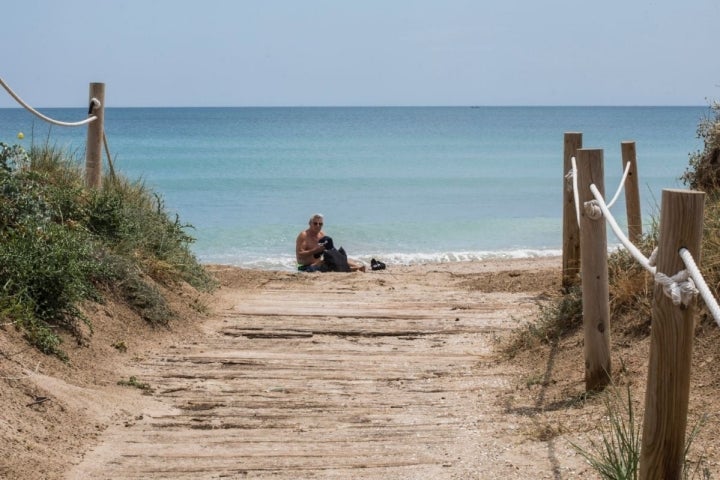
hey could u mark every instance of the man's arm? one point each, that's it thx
(299, 242)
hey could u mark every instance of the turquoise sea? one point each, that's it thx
(401, 184)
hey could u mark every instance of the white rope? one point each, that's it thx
(702, 286)
(619, 233)
(621, 186)
(576, 193)
(652, 259)
(94, 102)
(680, 288)
(592, 210)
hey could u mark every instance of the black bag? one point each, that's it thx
(335, 260)
(377, 265)
(327, 244)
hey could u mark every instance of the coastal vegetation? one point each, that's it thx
(617, 454)
(630, 287)
(63, 244)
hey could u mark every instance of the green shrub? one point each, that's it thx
(703, 172)
(139, 293)
(53, 266)
(135, 220)
(62, 244)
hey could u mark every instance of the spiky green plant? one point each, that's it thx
(617, 455)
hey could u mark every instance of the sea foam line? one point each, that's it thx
(287, 262)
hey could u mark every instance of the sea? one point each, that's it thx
(403, 185)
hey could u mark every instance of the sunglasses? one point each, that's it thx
(318, 223)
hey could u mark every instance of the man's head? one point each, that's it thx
(316, 222)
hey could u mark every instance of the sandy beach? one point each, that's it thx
(392, 374)
(160, 171)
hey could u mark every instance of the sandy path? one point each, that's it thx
(383, 375)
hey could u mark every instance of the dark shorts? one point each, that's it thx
(309, 268)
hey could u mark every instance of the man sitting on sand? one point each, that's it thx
(308, 249)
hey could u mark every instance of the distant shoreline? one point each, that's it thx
(208, 107)
(406, 260)
(468, 266)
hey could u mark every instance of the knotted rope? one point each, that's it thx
(94, 103)
(681, 287)
(593, 212)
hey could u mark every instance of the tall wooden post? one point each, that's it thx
(671, 342)
(93, 150)
(571, 230)
(593, 258)
(632, 192)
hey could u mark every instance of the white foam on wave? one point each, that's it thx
(468, 256)
(287, 262)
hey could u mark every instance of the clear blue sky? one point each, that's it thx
(361, 52)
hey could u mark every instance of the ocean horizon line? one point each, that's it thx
(479, 106)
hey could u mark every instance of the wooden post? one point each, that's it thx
(595, 293)
(671, 342)
(93, 150)
(571, 230)
(632, 192)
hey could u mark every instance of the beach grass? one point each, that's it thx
(62, 243)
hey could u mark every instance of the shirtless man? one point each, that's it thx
(308, 245)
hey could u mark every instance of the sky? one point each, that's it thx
(361, 52)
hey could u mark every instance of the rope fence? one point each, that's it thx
(682, 286)
(94, 104)
(96, 138)
(673, 323)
